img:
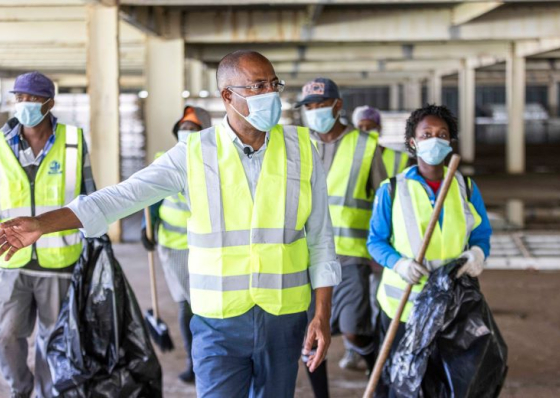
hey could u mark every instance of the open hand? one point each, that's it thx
(318, 331)
(18, 233)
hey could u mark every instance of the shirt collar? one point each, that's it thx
(11, 129)
(237, 141)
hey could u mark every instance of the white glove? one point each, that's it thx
(474, 264)
(410, 270)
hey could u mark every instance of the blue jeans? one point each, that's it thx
(255, 354)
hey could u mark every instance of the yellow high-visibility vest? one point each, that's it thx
(57, 182)
(411, 214)
(244, 251)
(173, 215)
(350, 203)
(395, 162)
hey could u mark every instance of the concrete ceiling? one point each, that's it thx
(358, 41)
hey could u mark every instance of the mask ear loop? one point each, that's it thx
(233, 107)
(339, 112)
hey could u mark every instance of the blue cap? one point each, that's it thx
(34, 83)
(318, 90)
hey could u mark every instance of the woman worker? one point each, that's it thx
(401, 213)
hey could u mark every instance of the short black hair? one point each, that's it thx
(440, 111)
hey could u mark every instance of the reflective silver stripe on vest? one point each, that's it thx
(209, 149)
(245, 237)
(469, 217)
(25, 211)
(396, 162)
(54, 242)
(221, 238)
(178, 204)
(293, 160)
(396, 293)
(356, 203)
(173, 228)
(242, 282)
(411, 224)
(219, 283)
(348, 200)
(279, 281)
(71, 164)
(350, 232)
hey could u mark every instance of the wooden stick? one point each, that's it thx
(151, 263)
(392, 332)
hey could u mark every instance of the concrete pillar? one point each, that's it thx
(553, 95)
(103, 91)
(195, 77)
(211, 83)
(394, 102)
(515, 95)
(165, 84)
(434, 91)
(412, 95)
(467, 138)
(515, 213)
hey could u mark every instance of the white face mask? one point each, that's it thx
(183, 134)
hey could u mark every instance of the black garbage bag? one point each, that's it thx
(452, 346)
(100, 346)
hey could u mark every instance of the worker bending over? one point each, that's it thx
(170, 217)
(260, 235)
(352, 160)
(402, 210)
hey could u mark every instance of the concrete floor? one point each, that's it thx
(525, 304)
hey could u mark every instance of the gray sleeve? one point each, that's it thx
(324, 268)
(164, 177)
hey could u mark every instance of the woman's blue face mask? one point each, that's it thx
(433, 151)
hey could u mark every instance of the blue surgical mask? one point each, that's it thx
(264, 110)
(29, 113)
(433, 151)
(183, 134)
(321, 120)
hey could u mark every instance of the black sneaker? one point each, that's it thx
(187, 376)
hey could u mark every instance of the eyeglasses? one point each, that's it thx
(259, 87)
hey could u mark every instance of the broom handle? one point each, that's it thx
(151, 263)
(392, 331)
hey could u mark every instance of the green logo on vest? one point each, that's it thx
(55, 168)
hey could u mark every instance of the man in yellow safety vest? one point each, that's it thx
(44, 165)
(260, 235)
(352, 160)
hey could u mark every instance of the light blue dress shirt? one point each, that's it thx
(167, 176)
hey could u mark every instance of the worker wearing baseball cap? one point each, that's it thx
(260, 235)
(169, 219)
(395, 157)
(354, 166)
(44, 165)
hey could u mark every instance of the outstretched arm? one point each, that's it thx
(24, 231)
(165, 177)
